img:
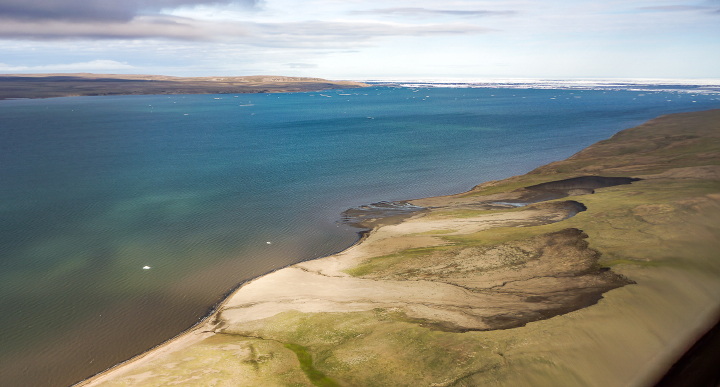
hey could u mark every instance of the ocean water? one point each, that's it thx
(93, 189)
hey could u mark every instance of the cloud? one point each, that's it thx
(51, 20)
(95, 65)
(431, 12)
(366, 29)
(301, 65)
(95, 10)
(138, 28)
(292, 34)
(338, 35)
(674, 8)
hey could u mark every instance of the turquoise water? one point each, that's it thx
(95, 188)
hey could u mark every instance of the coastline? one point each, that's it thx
(191, 335)
(465, 212)
(204, 328)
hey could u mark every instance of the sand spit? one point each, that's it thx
(599, 270)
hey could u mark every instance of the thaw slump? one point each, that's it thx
(531, 279)
(512, 283)
(433, 268)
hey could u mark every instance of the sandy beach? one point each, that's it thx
(599, 270)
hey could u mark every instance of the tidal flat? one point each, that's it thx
(585, 285)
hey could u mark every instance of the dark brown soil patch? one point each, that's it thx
(528, 280)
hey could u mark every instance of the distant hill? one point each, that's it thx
(84, 84)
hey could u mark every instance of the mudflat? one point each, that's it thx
(599, 270)
(84, 84)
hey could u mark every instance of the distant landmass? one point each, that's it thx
(85, 84)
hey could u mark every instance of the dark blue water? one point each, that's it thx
(92, 189)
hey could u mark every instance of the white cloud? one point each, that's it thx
(301, 65)
(139, 28)
(371, 38)
(286, 34)
(426, 12)
(97, 10)
(95, 65)
(675, 8)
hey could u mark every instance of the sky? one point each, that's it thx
(365, 39)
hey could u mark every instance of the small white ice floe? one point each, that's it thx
(146, 267)
(269, 243)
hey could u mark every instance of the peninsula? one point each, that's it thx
(599, 270)
(84, 84)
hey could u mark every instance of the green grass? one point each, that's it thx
(512, 184)
(381, 347)
(500, 235)
(616, 262)
(434, 232)
(377, 264)
(316, 377)
(467, 213)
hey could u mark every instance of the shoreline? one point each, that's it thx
(366, 228)
(183, 338)
(212, 324)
